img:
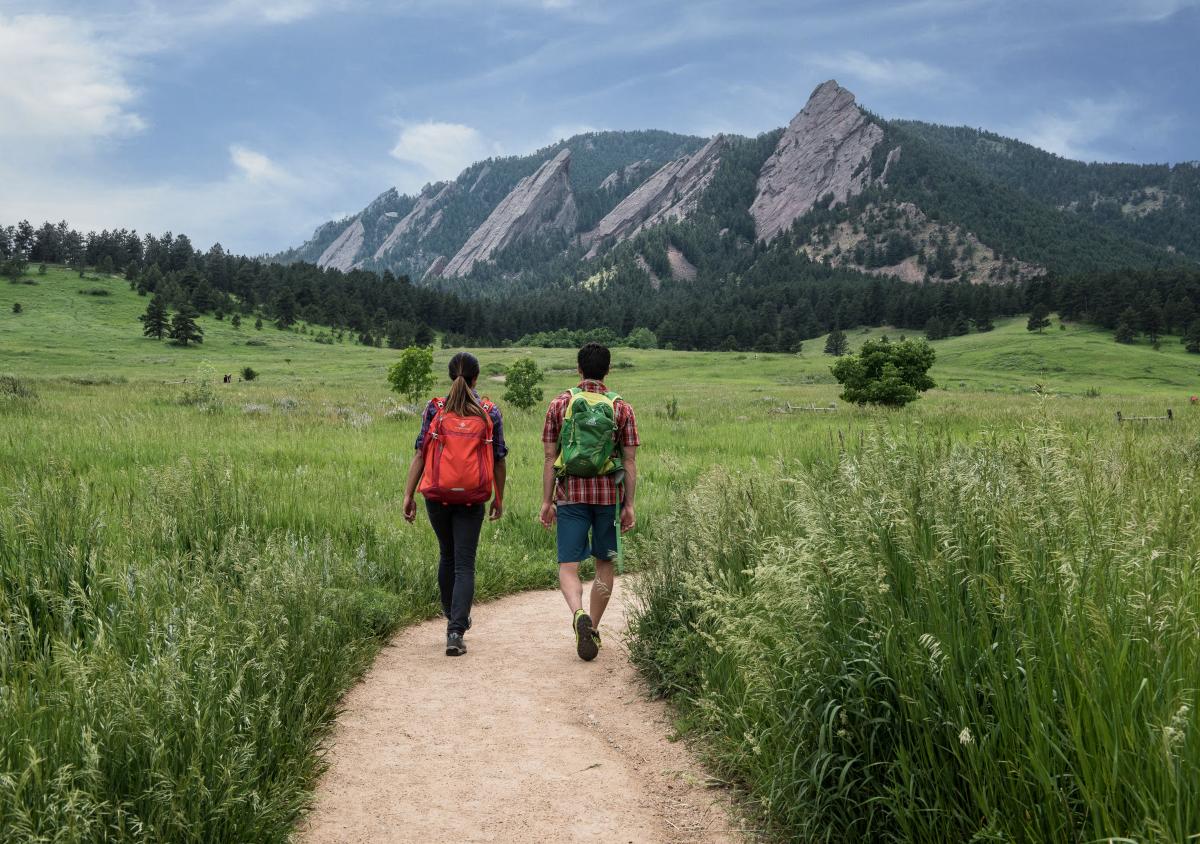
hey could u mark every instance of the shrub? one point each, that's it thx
(248, 373)
(255, 341)
(412, 375)
(13, 387)
(16, 308)
(885, 373)
(95, 291)
(521, 384)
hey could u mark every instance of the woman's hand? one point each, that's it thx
(497, 510)
(410, 508)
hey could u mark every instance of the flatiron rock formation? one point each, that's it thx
(541, 202)
(343, 252)
(671, 193)
(422, 219)
(826, 149)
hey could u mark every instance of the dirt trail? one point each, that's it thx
(518, 740)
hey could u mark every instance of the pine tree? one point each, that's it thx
(1191, 338)
(184, 328)
(16, 308)
(836, 344)
(1124, 333)
(154, 321)
(258, 324)
(1039, 318)
(236, 320)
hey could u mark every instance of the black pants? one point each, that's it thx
(457, 527)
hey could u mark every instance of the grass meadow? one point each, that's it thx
(194, 571)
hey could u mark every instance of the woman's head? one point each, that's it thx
(464, 371)
(466, 366)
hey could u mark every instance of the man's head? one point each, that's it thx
(593, 361)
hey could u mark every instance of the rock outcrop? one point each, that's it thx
(671, 193)
(435, 269)
(826, 149)
(343, 252)
(541, 202)
(626, 173)
(422, 219)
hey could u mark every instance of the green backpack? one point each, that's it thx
(587, 443)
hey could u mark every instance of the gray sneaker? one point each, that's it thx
(455, 646)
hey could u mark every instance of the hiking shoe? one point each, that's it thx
(596, 638)
(455, 646)
(585, 645)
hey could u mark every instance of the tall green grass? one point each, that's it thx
(932, 641)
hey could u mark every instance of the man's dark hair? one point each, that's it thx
(593, 361)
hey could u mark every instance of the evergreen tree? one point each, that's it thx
(16, 308)
(236, 320)
(184, 329)
(154, 320)
(258, 324)
(836, 344)
(1039, 318)
(1191, 337)
(935, 329)
(1124, 333)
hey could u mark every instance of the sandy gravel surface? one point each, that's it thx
(518, 740)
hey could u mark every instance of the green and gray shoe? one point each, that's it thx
(586, 642)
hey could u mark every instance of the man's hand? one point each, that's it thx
(628, 518)
(548, 515)
(410, 508)
(497, 510)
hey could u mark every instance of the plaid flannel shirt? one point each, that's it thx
(603, 490)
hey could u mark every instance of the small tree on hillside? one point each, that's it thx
(258, 324)
(1191, 338)
(642, 338)
(412, 375)
(236, 320)
(837, 344)
(886, 373)
(154, 321)
(1039, 319)
(16, 309)
(521, 384)
(184, 329)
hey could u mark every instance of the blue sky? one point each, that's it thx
(251, 121)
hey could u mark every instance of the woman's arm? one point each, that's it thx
(501, 474)
(415, 470)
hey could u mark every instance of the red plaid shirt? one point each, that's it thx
(603, 490)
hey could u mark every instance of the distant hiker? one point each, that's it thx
(228, 378)
(591, 441)
(459, 459)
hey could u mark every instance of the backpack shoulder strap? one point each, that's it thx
(613, 397)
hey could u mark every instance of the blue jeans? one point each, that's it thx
(457, 527)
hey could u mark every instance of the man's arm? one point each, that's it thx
(548, 514)
(629, 462)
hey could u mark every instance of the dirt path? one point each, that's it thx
(518, 740)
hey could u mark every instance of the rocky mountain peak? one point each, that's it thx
(671, 193)
(825, 149)
(540, 202)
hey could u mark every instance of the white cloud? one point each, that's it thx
(1075, 131)
(61, 84)
(1152, 11)
(440, 150)
(263, 11)
(881, 72)
(257, 167)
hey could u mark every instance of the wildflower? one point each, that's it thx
(965, 737)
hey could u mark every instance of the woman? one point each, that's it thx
(457, 515)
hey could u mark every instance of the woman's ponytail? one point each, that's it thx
(464, 368)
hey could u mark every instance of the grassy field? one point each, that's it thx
(193, 571)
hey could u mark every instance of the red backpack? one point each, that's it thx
(459, 463)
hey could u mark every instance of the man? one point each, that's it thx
(584, 499)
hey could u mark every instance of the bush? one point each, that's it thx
(16, 308)
(412, 375)
(521, 384)
(95, 291)
(254, 341)
(248, 374)
(885, 373)
(13, 387)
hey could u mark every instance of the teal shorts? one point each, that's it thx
(576, 521)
